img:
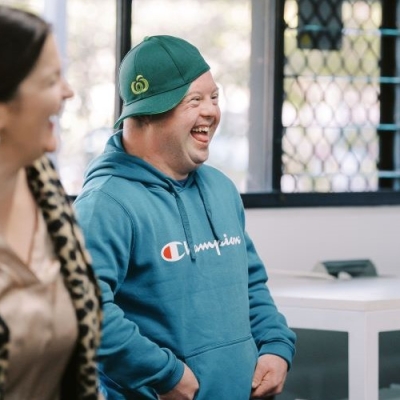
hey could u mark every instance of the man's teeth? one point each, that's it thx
(204, 129)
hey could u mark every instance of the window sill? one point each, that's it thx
(359, 199)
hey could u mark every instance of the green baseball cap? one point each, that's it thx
(155, 75)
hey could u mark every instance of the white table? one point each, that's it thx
(362, 307)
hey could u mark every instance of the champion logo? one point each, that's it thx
(174, 251)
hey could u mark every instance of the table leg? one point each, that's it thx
(363, 361)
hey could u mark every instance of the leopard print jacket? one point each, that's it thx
(80, 379)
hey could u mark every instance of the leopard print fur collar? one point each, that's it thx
(80, 380)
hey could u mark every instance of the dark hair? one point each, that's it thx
(22, 36)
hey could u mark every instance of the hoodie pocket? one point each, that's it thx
(225, 372)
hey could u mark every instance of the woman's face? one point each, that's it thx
(28, 120)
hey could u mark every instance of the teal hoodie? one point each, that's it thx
(181, 280)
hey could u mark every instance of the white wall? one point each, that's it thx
(297, 238)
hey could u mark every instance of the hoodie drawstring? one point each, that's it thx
(185, 220)
(207, 207)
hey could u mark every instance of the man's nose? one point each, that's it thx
(210, 108)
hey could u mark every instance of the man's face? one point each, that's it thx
(180, 138)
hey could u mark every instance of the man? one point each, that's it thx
(187, 313)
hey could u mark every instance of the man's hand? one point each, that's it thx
(269, 376)
(186, 388)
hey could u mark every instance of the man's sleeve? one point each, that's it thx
(128, 359)
(269, 327)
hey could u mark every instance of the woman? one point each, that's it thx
(49, 300)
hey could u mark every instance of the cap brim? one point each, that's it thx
(156, 104)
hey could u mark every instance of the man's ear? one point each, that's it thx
(144, 119)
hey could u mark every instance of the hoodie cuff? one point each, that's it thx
(279, 349)
(171, 380)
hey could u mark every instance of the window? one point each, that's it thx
(336, 90)
(309, 94)
(88, 117)
(35, 6)
(339, 71)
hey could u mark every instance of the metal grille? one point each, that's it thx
(333, 88)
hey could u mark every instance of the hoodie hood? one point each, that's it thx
(115, 161)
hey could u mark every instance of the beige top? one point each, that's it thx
(38, 310)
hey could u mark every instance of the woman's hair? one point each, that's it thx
(22, 36)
